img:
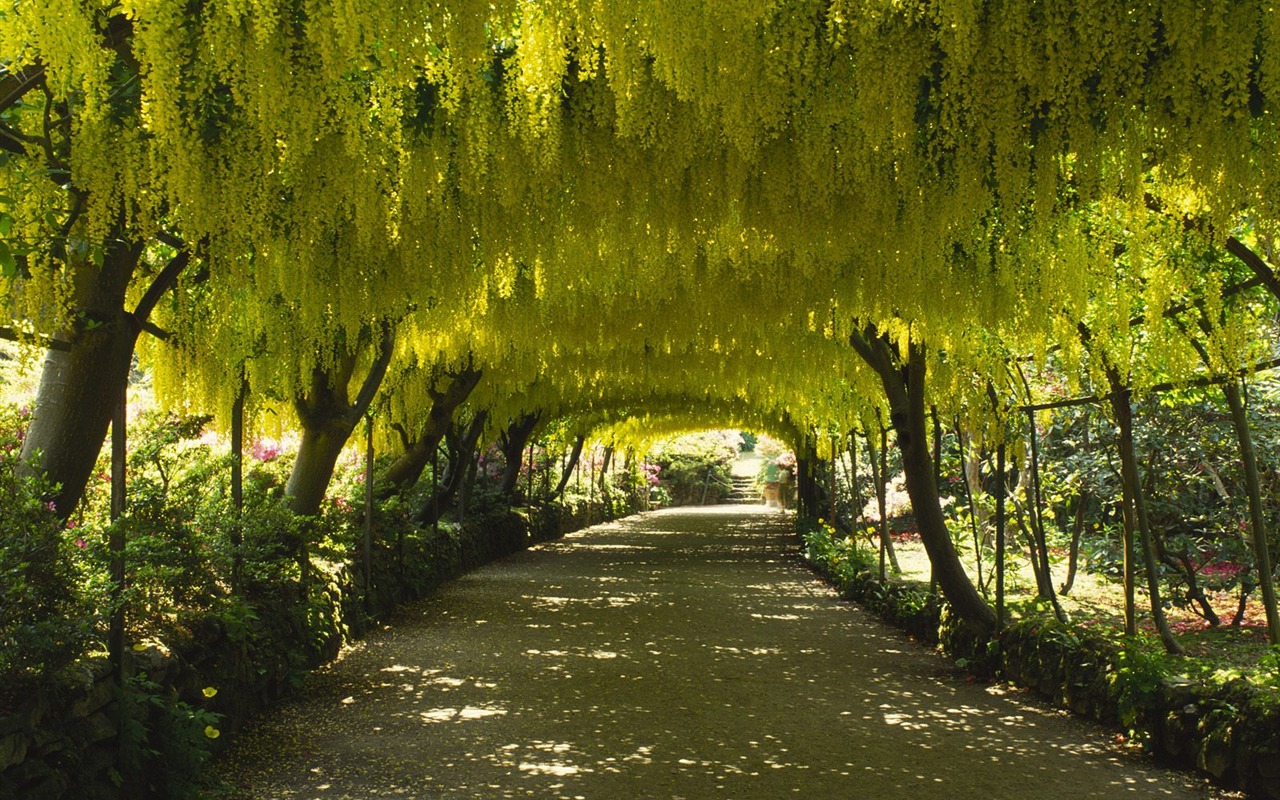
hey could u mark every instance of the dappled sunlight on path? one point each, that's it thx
(677, 654)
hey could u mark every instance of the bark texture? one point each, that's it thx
(512, 443)
(462, 447)
(405, 471)
(904, 385)
(82, 379)
(328, 417)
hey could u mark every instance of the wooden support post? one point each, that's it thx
(237, 483)
(1037, 522)
(435, 490)
(937, 484)
(973, 509)
(1257, 523)
(368, 512)
(1000, 538)
(831, 482)
(528, 493)
(116, 544)
(881, 490)
(855, 509)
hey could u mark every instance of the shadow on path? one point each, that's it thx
(677, 654)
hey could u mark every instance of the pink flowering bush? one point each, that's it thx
(651, 473)
(265, 450)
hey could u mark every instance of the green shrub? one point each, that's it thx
(696, 466)
(46, 622)
(165, 741)
(1136, 677)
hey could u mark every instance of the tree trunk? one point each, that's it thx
(1026, 529)
(468, 490)
(1120, 404)
(328, 419)
(80, 385)
(1240, 421)
(604, 472)
(322, 443)
(904, 385)
(568, 471)
(880, 477)
(462, 448)
(1077, 530)
(807, 485)
(1257, 521)
(405, 471)
(512, 444)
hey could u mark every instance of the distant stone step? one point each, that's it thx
(744, 492)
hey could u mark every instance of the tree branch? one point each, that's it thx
(172, 240)
(48, 342)
(155, 330)
(14, 142)
(405, 441)
(1265, 274)
(871, 347)
(1168, 386)
(376, 372)
(162, 283)
(15, 85)
(1261, 269)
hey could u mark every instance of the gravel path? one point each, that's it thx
(677, 654)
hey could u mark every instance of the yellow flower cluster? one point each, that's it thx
(649, 205)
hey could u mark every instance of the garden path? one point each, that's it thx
(675, 654)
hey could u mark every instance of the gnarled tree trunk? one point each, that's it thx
(462, 448)
(512, 443)
(87, 369)
(328, 418)
(405, 471)
(904, 385)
